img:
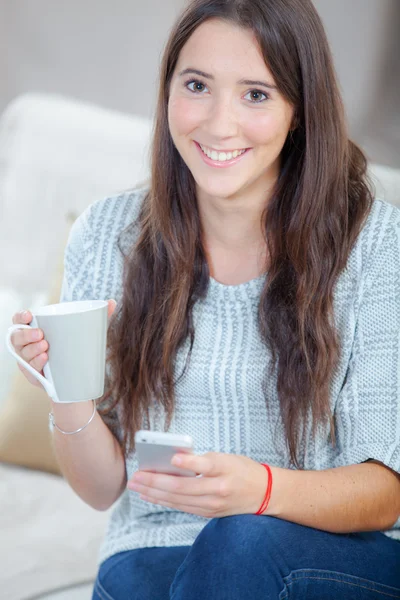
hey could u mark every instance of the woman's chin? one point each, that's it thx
(225, 190)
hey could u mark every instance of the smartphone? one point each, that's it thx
(155, 450)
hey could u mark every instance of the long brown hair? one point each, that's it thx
(320, 201)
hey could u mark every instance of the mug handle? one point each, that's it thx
(45, 382)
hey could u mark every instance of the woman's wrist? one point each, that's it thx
(72, 415)
(273, 508)
(267, 494)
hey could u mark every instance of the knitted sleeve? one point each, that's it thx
(78, 284)
(367, 412)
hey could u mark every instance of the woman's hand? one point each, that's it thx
(30, 344)
(230, 485)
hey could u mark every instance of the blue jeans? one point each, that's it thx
(249, 557)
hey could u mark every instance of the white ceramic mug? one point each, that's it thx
(77, 336)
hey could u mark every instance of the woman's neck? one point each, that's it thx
(231, 228)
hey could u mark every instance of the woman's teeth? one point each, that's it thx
(221, 156)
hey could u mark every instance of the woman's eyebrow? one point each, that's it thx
(241, 82)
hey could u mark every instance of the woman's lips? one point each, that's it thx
(221, 165)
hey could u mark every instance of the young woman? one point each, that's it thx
(257, 309)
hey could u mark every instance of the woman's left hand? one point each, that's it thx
(230, 485)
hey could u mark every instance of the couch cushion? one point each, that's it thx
(49, 537)
(25, 439)
(58, 155)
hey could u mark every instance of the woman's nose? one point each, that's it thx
(222, 119)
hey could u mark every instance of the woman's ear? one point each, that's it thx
(295, 123)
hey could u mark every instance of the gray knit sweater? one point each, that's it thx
(219, 401)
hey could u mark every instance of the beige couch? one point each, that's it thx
(56, 157)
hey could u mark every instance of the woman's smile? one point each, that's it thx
(221, 159)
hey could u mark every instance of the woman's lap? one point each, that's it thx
(248, 556)
(274, 559)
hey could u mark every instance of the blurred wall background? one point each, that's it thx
(109, 54)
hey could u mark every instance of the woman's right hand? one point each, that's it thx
(30, 344)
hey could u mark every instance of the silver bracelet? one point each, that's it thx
(53, 424)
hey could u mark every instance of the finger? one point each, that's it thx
(23, 337)
(205, 502)
(186, 486)
(194, 510)
(36, 363)
(22, 317)
(39, 361)
(32, 351)
(210, 464)
(111, 307)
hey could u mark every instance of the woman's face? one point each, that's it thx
(225, 114)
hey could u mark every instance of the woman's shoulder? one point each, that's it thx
(383, 214)
(380, 226)
(104, 221)
(114, 213)
(378, 242)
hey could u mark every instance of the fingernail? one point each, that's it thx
(176, 460)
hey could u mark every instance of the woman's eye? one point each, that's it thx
(256, 96)
(197, 84)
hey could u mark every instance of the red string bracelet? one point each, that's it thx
(268, 491)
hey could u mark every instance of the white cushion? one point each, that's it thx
(49, 537)
(58, 155)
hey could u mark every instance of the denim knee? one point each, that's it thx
(235, 550)
(242, 539)
(245, 533)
